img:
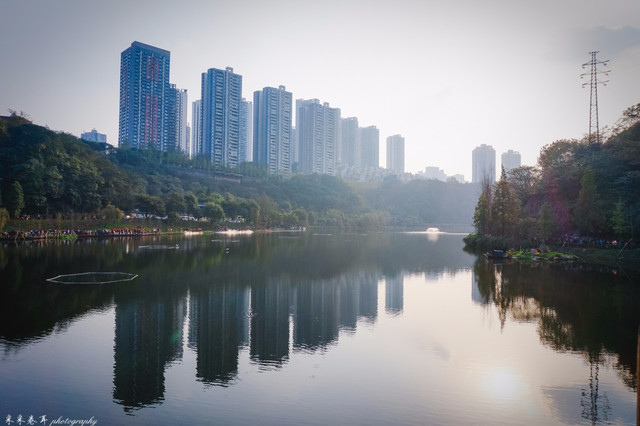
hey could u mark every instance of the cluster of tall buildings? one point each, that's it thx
(483, 163)
(229, 130)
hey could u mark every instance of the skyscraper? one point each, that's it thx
(196, 138)
(395, 154)
(317, 126)
(369, 147)
(146, 110)
(272, 128)
(221, 97)
(246, 131)
(510, 160)
(483, 165)
(181, 119)
(349, 142)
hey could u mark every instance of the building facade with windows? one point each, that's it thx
(349, 152)
(395, 154)
(147, 107)
(272, 130)
(196, 129)
(221, 98)
(246, 131)
(369, 147)
(318, 126)
(181, 105)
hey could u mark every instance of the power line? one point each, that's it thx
(594, 124)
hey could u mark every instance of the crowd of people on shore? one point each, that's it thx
(41, 234)
(587, 242)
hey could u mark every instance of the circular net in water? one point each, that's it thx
(93, 278)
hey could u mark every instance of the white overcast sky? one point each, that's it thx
(448, 75)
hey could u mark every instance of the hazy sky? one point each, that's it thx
(448, 75)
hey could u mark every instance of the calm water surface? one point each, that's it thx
(288, 329)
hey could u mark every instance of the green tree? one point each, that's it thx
(481, 216)
(14, 198)
(151, 204)
(111, 213)
(504, 208)
(587, 215)
(175, 202)
(269, 214)
(213, 211)
(191, 204)
(4, 217)
(619, 221)
(546, 224)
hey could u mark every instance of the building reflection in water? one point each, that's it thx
(270, 323)
(217, 328)
(148, 336)
(394, 294)
(267, 318)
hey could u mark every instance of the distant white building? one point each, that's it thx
(94, 136)
(196, 119)
(483, 165)
(395, 154)
(369, 147)
(510, 160)
(272, 116)
(431, 172)
(318, 126)
(182, 134)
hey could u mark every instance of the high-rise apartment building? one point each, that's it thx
(181, 102)
(196, 128)
(317, 125)
(246, 131)
(483, 165)
(510, 160)
(295, 148)
(272, 128)
(395, 154)
(349, 152)
(221, 97)
(146, 108)
(369, 147)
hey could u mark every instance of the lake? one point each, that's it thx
(315, 329)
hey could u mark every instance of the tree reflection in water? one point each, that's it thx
(590, 310)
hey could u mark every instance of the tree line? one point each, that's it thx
(49, 174)
(579, 188)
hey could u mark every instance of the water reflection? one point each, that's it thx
(267, 298)
(394, 294)
(589, 310)
(217, 328)
(148, 336)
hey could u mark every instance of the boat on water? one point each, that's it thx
(235, 232)
(189, 233)
(496, 254)
(433, 230)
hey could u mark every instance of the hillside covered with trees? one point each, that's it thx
(580, 189)
(48, 174)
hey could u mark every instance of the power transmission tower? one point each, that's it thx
(594, 125)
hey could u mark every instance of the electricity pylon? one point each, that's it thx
(594, 125)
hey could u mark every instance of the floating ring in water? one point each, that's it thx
(93, 278)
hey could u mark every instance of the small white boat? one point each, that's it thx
(235, 232)
(433, 230)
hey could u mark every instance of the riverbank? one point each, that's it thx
(597, 254)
